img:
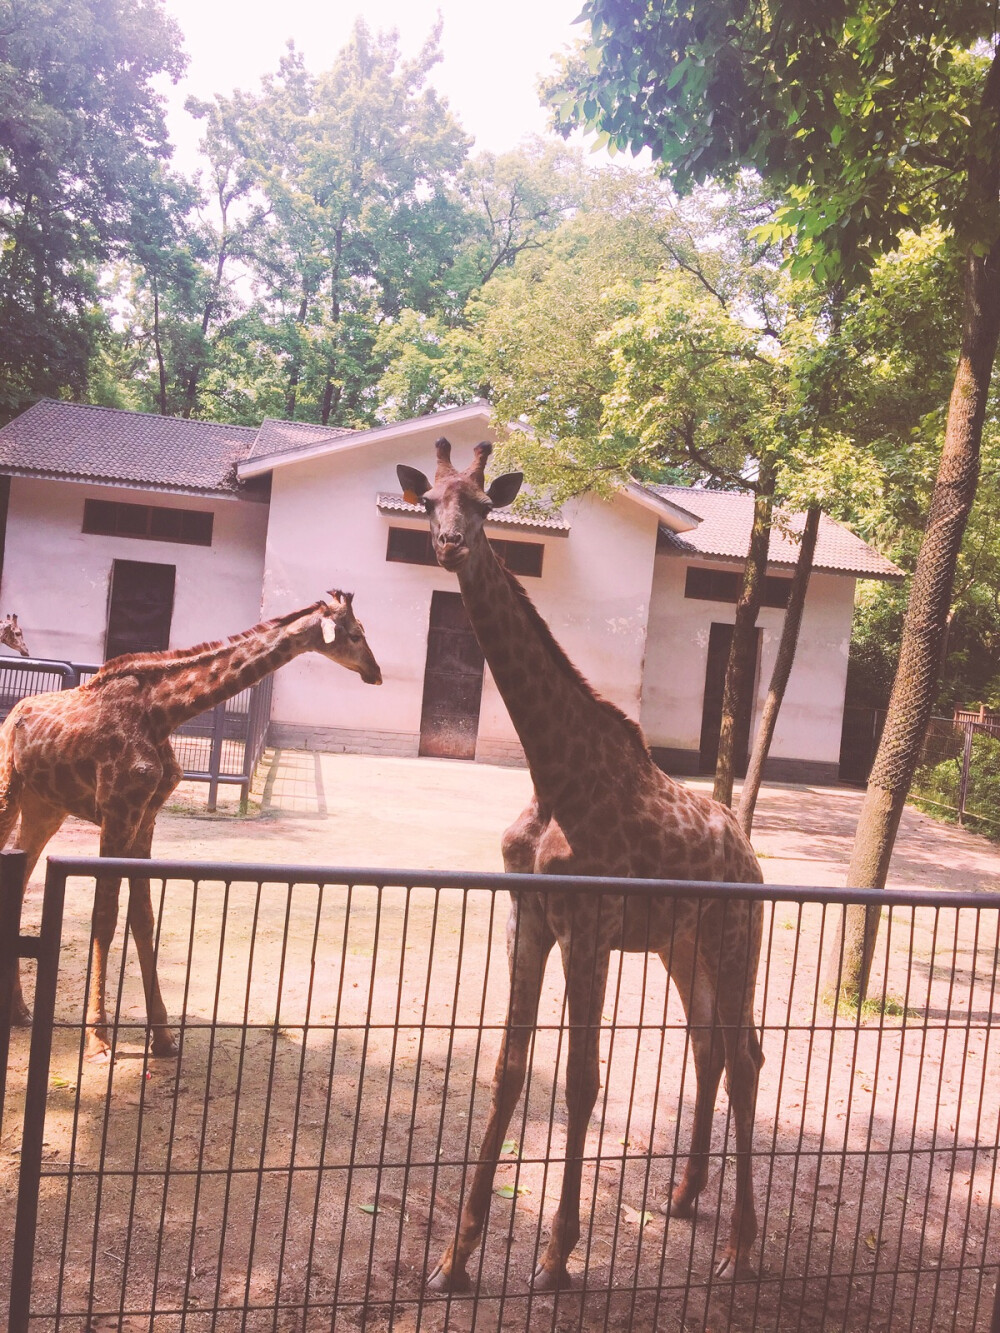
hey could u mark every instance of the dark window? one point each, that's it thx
(723, 585)
(412, 546)
(156, 523)
(521, 557)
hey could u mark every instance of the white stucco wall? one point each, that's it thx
(809, 723)
(56, 577)
(325, 531)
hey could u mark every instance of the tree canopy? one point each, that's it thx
(81, 139)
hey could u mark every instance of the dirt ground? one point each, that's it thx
(307, 1150)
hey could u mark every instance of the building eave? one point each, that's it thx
(119, 483)
(544, 526)
(401, 430)
(670, 514)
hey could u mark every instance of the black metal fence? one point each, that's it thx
(300, 1165)
(220, 747)
(959, 769)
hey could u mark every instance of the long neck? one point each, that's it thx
(568, 733)
(178, 686)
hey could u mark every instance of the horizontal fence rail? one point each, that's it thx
(300, 1164)
(220, 747)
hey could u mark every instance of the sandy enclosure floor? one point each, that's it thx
(308, 1147)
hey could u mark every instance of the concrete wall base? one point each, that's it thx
(402, 744)
(809, 772)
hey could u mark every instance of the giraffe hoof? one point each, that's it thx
(20, 1017)
(443, 1280)
(550, 1279)
(97, 1053)
(733, 1266)
(164, 1045)
(680, 1204)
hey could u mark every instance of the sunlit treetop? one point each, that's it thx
(868, 117)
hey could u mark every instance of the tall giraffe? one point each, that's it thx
(12, 636)
(601, 807)
(102, 752)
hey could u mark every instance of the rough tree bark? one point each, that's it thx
(782, 670)
(849, 958)
(742, 657)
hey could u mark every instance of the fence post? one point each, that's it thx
(215, 758)
(11, 896)
(963, 786)
(45, 948)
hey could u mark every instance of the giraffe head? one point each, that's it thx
(342, 638)
(458, 502)
(11, 635)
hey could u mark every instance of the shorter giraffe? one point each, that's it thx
(12, 636)
(102, 752)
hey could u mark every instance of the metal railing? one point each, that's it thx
(959, 769)
(220, 747)
(301, 1162)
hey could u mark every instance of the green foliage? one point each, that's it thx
(81, 139)
(865, 115)
(938, 782)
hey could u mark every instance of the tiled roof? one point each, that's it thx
(553, 523)
(724, 533)
(285, 437)
(55, 439)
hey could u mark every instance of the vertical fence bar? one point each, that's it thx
(35, 1099)
(11, 896)
(963, 786)
(215, 758)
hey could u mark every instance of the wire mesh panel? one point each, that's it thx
(301, 1164)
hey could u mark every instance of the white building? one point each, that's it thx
(125, 531)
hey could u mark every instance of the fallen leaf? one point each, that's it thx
(636, 1218)
(509, 1191)
(368, 1208)
(511, 1146)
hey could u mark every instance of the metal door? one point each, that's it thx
(140, 607)
(453, 682)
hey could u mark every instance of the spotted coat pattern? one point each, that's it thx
(601, 807)
(102, 752)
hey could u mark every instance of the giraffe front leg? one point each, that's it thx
(586, 980)
(39, 821)
(142, 925)
(529, 942)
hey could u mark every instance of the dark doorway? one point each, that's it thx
(720, 638)
(453, 682)
(140, 608)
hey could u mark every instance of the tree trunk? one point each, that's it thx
(782, 670)
(211, 305)
(332, 391)
(742, 658)
(850, 955)
(294, 370)
(160, 364)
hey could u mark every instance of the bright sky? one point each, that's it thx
(493, 53)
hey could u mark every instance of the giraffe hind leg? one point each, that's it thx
(694, 985)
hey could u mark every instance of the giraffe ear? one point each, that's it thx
(504, 489)
(329, 630)
(413, 482)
